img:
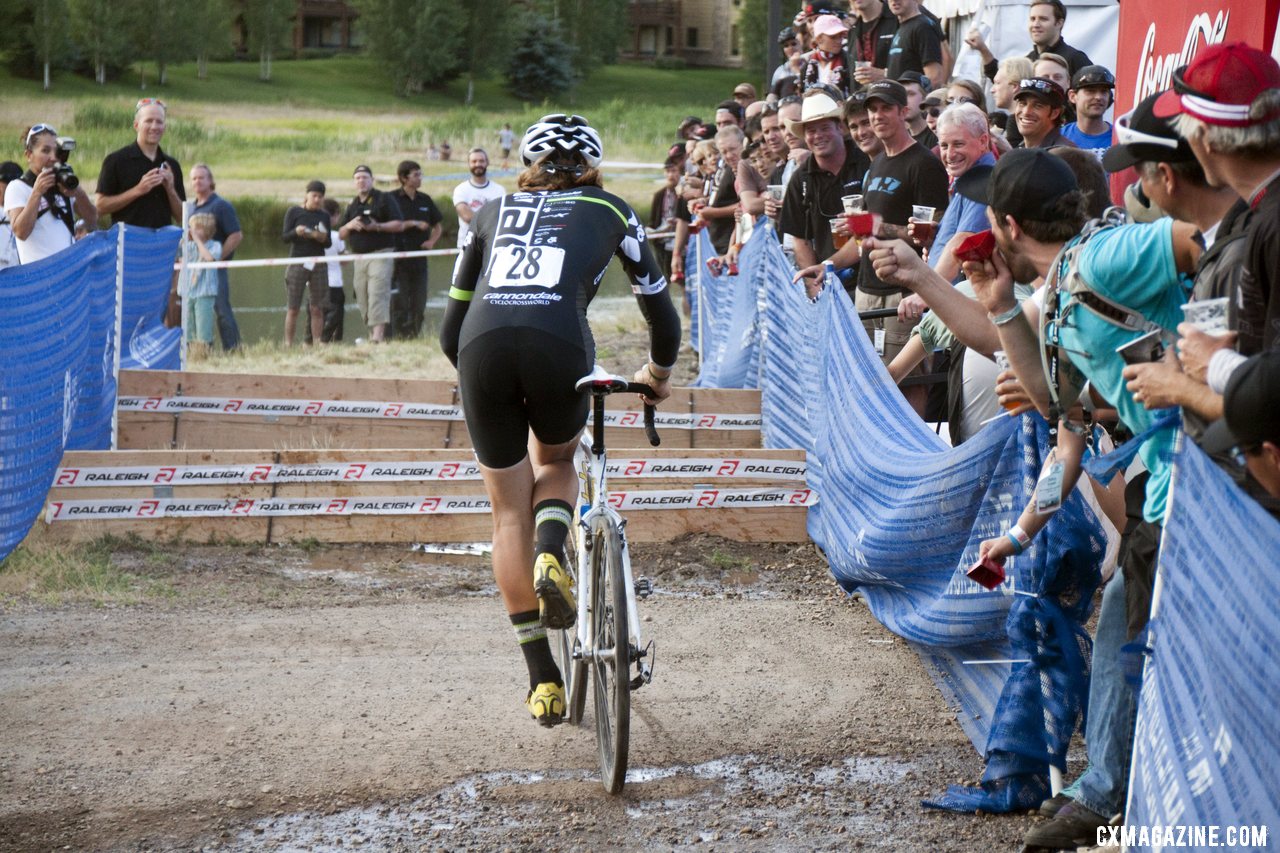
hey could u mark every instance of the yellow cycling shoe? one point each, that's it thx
(546, 703)
(556, 603)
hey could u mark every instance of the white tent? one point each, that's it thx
(1092, 26)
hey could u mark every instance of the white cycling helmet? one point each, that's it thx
(559, 134)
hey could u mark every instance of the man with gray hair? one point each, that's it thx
(723, 195)
(1227, 104)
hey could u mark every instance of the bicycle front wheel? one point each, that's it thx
(611, 658)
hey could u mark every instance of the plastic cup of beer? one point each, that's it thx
(775, 192)
(1208, 315)
(839, 232)
(852, 203)
(922, 219)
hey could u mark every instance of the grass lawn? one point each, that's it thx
(320, 117)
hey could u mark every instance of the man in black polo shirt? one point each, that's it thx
(370, 226)
(422, 229)
(1045, 20)
(140, 184)
(833, 170)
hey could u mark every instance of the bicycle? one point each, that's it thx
(605, 639)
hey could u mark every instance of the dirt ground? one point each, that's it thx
(285, 698)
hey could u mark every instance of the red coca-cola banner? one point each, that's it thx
(1158, 36)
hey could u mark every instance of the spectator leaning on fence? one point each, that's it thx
(41, 205)
(369, 227)
(1227, 104)
(140, 184)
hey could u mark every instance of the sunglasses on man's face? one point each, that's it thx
(934, 112)
(960, 100)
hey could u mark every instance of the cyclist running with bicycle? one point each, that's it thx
(516, 329)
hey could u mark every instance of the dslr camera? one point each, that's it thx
(65, 175)
(366, 216)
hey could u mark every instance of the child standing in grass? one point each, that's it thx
(199, 288)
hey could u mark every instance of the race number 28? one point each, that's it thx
(526, 266)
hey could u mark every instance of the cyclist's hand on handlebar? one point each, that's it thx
(661, 385)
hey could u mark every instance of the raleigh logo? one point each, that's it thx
(67, 477)
(233, 405)
(260, 474)
(728, 468)
(353, 472)
(165, 475)
(1155, 73)
(315, 407)
(634, 468)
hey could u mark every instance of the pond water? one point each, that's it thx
(258, 294)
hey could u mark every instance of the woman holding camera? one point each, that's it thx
(43, 204)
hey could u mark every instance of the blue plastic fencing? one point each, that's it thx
(57, 344)
(900, 517)
(1206, 752)
(732, 358)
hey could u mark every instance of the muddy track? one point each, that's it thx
(290, 699)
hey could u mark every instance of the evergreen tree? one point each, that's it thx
(541, 63)
(594, 28)
(420, 42)
(104, 32)
(268, 25)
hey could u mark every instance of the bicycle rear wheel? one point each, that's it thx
(611, 655)
(574, 672)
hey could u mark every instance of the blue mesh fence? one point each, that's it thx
(1206, 752)
(57, 342)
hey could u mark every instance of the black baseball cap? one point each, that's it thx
(1093, 75)
(1026, 183)
(316, 187)
(1250, 406)
(1144, 136)
(889, 91)
(921, 80)
(1043, 88)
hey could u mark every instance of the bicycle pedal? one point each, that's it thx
(644, 587)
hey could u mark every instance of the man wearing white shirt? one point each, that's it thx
(475, 192)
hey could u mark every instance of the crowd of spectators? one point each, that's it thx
(980, 211)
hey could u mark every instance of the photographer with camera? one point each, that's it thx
(43, 204)
(369, 227)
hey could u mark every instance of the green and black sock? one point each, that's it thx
(552, 518)
(537, 651)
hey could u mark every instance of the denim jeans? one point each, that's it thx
(227, 328)
(1113, 705)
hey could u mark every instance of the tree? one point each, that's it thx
(420, 42)
(541, 63)
(47, 35)
(104, 31)
(165, 34)
(756, 35)
(485, 40)
(268, 24)
(594, 28)
(212, 19)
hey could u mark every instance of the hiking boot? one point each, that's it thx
(1073, 826)
(546, 703)
(1054, 804)
(558, 608)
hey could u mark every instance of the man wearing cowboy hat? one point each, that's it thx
(833, 170)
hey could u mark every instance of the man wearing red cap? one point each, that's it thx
(1227, 106)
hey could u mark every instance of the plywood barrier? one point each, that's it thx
(184, 410)
(334, 495)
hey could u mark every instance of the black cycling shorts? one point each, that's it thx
(516, 379)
